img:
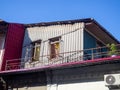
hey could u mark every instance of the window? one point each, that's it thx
(36, 50)
(54, 47)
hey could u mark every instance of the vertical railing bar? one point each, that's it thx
(92, 52)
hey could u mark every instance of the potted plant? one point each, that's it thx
(113, 50)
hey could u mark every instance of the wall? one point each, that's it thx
(27, 81)
(89, 40)
(71, 37)
(13, 44)
(99, 85)
(32, 88)
(85, 78)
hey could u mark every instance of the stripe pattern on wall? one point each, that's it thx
(13, 43)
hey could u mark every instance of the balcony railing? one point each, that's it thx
(62, 58)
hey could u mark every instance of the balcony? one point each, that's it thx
(80, 57)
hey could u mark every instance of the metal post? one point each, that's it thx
(92, 54)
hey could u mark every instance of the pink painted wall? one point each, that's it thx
(13, 43)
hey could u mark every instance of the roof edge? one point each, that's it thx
(85, 20)
(2, 21)
(65, 65)
(106, 31)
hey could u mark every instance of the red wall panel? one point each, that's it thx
(13, 43)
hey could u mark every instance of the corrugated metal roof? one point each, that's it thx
(86, 21)
(59, 22)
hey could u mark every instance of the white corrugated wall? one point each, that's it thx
(71, 34)
(71, 40)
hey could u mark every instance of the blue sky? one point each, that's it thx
(106, 12)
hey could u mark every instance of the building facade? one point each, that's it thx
(57, 55)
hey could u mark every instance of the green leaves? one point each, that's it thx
(113, 49)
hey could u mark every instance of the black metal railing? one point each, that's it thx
(66, 57)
